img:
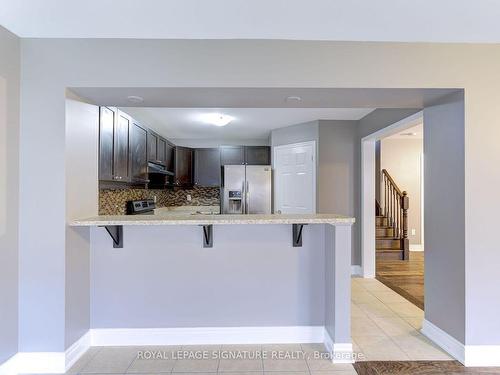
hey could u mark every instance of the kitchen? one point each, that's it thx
(140, 168)
(236, 268)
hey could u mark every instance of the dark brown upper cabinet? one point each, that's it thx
(107, 120)
(114, 138)
(152, 147)
(161, 152)
(251, 155)
(257, 155)
(122, 139)
(207, 167)
(183, 166)
(231, 155)
(138, 153)
(170, 157)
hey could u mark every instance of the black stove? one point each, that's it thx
(142, 207)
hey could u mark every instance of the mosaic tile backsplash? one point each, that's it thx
(113, 201)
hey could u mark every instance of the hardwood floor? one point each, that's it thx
(420, 367)
(404, 277)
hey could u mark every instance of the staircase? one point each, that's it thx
(392, 221)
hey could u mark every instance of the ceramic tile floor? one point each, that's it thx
(385, 326)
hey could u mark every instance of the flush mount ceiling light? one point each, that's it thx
(293, 99)
(217, 119)
(135, 99)
(409, 134)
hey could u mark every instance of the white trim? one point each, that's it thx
(368, 188)
(468, 355)
(482, 355)
(356, 270)
(75, 351)
(205, 336)
(367, 208)
(40, 363)
(314, 171)
(447, 342)
(46, 362)
(9, 367)
(416, 247)
(341, 352)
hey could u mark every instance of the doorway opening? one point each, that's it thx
(393, 176)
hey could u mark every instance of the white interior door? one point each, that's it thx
(295, 178)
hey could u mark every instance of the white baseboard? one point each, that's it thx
(9, 367)
(341, 352)
(75, 351)
(205, 336)
(356, 270)
(46, 362)
(416, 247)
(482, 355)
(447, 342)
(40, 363)
(468, 355)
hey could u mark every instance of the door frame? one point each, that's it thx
(314, 172)
(368, 189)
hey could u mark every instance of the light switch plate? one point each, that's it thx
(413, 232)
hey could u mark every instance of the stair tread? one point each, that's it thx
(387, 238)
(384, 250)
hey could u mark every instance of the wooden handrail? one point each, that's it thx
(384, 172)
(395, 209)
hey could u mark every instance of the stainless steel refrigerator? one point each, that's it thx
(246, 189)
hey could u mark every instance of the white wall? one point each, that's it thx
(9, 191)
(402, 158)
(49, 66)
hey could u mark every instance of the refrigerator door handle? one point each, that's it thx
(247, 196)
(243, 198)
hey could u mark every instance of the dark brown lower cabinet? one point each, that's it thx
(183, 166)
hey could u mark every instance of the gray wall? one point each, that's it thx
(304, 132)
(252, 276)
(49, 66)
(9, 191)
(380, 118)
(82, 125)
(444, 216)
(338, 160)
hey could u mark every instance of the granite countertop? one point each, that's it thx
(204, 219)
(187, 210)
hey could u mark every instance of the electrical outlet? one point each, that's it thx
(188, 197)
(413, 232)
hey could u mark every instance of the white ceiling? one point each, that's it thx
(347, 20)
(248, 123)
